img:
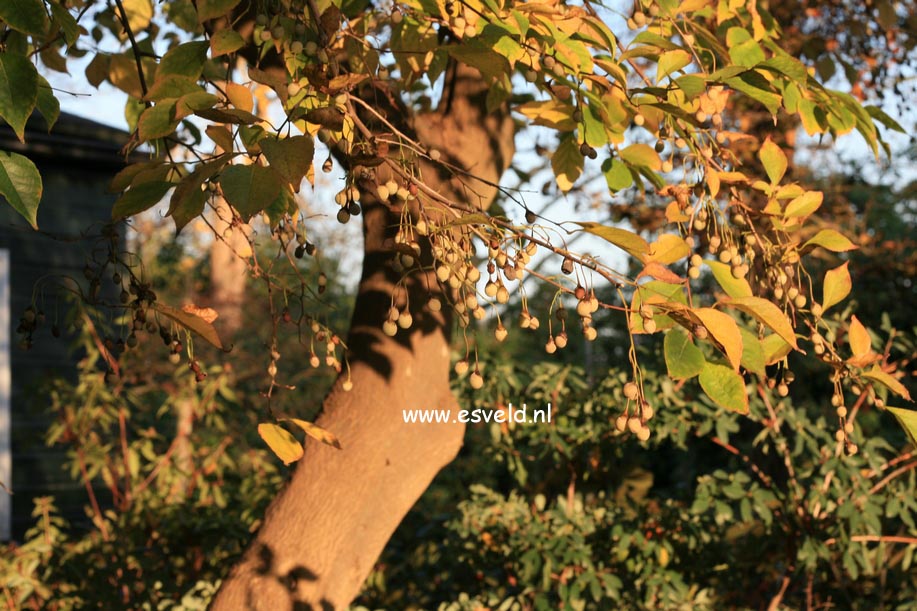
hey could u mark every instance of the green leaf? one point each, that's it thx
(250, 188)
(315, 432)
(732, 286)
(629, 241)
(188, 199)
(193, 102)
(774, 161)
(20, 184)
(725, 387)
(889, 381)
(192, 322)
(184, 60)
(755, 86)
(743, 49)
(211, 9)
(768, 314)
(67, 22)
(879, 115)
(225, 42)
(46, 103)
(617, 175)
(18, 91)
(787, 65)
(907, 418)
(831, 240)
(290, 157)
(671, 61)
(682, 358)
(642, 155)
(752, 352)
(567, 163)
(281, 442)
(692, 85)
(655, 292)
(26, 16)
(157, 122)
(172, 86)
(139, 198)
(478, 55)
(836, 287)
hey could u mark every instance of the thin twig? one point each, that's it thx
(134, 48)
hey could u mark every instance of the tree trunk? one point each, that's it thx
(325, 530)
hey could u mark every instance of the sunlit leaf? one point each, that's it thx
(682, 358)
(831, 240)
(722, 328)
(732, 286)
(629, 241)
(315, 432)
(836, 287)
(767, 313)
(281, 442)
(858, 336)
(725, 387)
(889, 381)
(908, 420)
(774, 161)
(668, 248)
(804, 205)
(753, 358)
(775, 348)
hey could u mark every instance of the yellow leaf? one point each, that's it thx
(908, 420)
(674, 214)
(887, 380)
(836, 287)
(774, 161)
(804, 205)
(723, 328)
(668, 249)
(660, 272)
(767, 313)
(832, 240)
(315, 432)
(240, 96)
(775, 348)
(281, 442)
(627, 240)
(549, 113)
(860, 342)
(642, 155)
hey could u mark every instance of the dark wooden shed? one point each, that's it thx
(76, 160)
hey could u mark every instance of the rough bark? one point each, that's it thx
(323, 533)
